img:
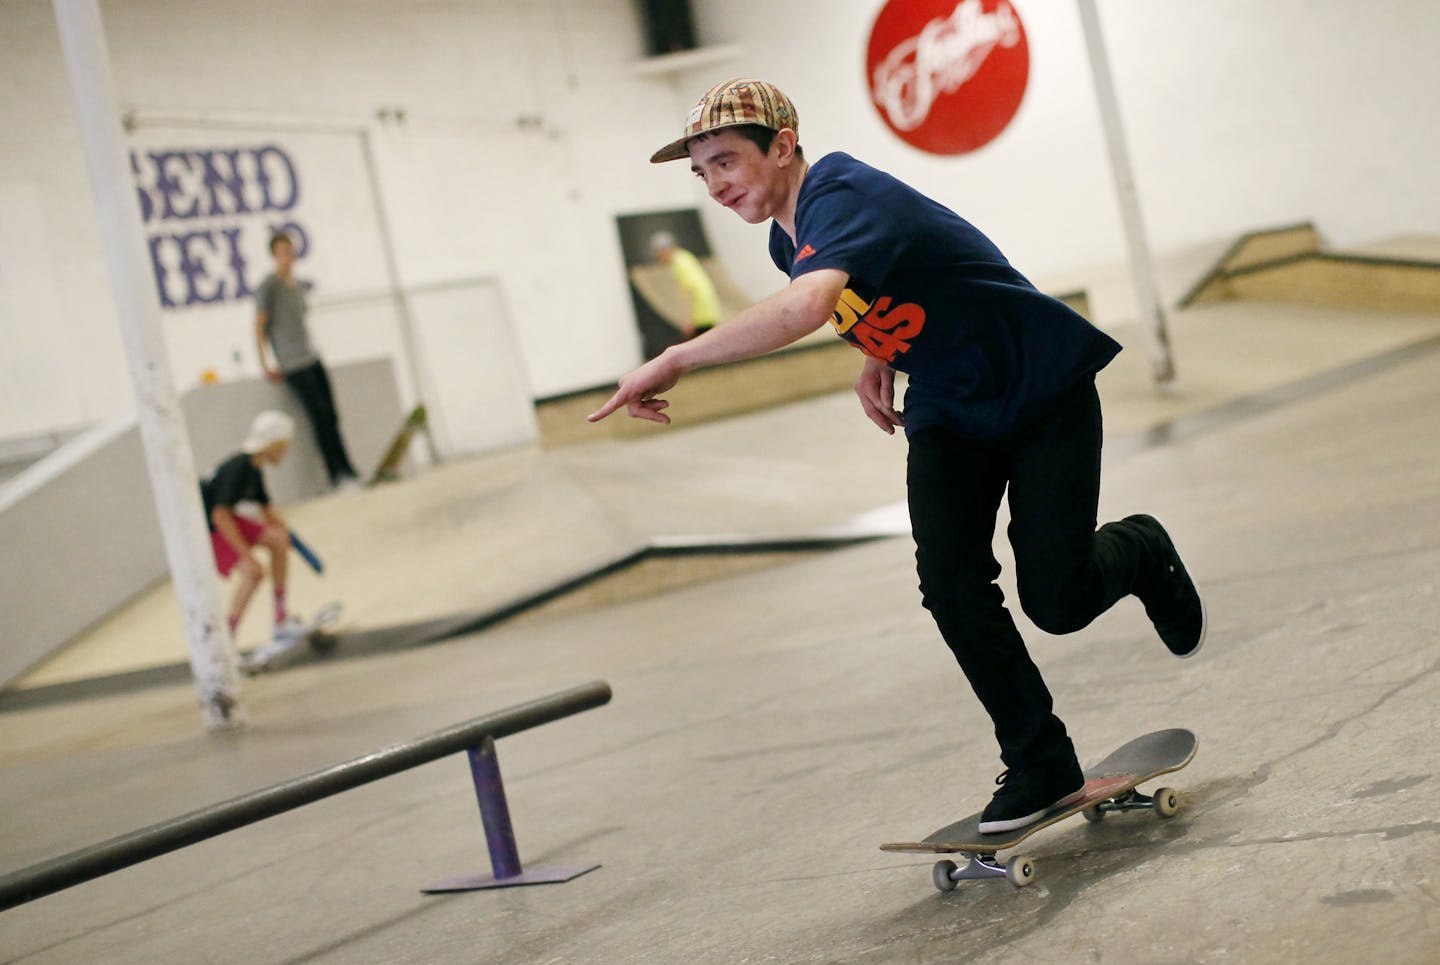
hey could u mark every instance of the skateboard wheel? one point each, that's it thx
(1093, 814)
(1167, 802)
(322, 642)
(1020, 871)
(942, 874)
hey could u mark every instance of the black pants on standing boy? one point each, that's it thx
(312, 385)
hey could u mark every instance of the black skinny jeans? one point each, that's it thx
(1067, 572)
(312, 385)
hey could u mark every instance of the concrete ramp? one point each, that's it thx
(1288, 264)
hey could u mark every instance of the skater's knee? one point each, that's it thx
(250, 568)
(1052, 613)
(275, 538)
(1057, 623)
(1056, 599)
(966, 592)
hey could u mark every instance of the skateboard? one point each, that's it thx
(283, 650)
(389, 468)
(1110, 785)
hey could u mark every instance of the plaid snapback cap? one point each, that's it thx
(730, 104)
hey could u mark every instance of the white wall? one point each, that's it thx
(1238, 114)
(526, 133)
(501, 169)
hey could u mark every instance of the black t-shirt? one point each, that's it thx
(933, 297)
(236, 480)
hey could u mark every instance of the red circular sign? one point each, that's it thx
(947, 76)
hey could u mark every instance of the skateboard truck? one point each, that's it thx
(1019, 870)
(1165, 803)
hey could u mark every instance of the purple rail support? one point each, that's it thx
(494, 811)
(500, 834)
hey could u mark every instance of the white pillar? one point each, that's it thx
(162, 425)
(403, 316)
(1142, 271)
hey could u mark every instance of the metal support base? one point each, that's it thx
(534, 876)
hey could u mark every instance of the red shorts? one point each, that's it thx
(226, 555)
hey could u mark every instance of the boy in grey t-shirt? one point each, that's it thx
(280, 324)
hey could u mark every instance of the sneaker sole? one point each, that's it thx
(1015, 824)
(1204, 617)
(1204, 628)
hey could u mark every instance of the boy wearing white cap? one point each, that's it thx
(1001, 403)
(233, 536)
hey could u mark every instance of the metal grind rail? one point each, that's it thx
(476, 737)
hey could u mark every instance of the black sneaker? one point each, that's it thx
(1171, 601)
(1025, 798)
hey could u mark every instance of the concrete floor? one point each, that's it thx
(770, 729)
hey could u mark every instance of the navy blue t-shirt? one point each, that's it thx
(931, 296)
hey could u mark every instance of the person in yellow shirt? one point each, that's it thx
(693, 280)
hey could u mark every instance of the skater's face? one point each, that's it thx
(273, 454)
(284, 253)
(742, 178)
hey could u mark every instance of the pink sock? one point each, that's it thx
(280, 612)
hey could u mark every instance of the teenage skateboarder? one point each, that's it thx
(1001, 399)
(235, 537)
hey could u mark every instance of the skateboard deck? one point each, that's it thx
(1110, 785)
(389, 468)
(279, 652)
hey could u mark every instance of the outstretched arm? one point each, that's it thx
(791, 313)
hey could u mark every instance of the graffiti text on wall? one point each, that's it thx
(202, 209)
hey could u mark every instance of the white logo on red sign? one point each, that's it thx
(947, 77)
